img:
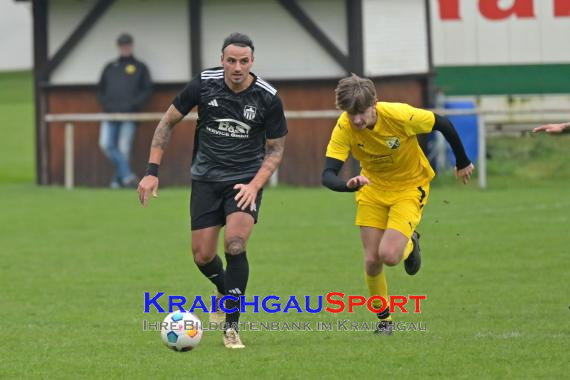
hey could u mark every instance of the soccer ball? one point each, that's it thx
(181, 331)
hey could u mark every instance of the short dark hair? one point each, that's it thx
(125, 39)
(355, 94)
(238, 39)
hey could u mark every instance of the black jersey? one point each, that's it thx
(232, 128)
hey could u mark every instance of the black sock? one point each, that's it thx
(237, 273)
(384, 314)
(214, 271)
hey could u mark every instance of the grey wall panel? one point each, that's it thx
(283, 49)
(161, 36)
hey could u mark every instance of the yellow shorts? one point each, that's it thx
(398, 210)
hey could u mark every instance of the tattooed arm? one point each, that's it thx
(149, 184)
(248, 192)
(273, 154)
(162, 134)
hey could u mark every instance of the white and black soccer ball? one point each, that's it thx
(181, 331)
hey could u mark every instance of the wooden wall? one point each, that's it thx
(304, 152)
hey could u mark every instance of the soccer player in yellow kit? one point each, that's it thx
(393, 186)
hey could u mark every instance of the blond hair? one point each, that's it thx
(355, 94)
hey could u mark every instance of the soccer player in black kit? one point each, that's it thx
(239, 143)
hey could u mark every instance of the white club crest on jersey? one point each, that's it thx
(249, 112)
(393, 142)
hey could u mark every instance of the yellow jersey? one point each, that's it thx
(389, 153)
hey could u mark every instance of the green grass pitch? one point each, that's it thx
(74, 266)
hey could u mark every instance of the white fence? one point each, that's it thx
(69, 120)
(521, 117)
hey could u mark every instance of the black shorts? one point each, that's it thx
(211, 202)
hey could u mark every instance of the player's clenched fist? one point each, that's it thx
(357, 182)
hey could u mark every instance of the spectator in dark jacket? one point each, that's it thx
(125, 86)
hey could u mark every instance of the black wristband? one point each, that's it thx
(460, 164)
(152, 169)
